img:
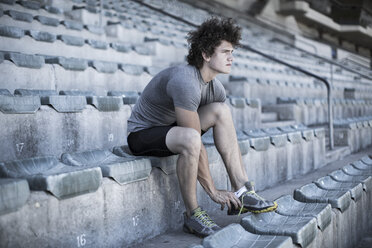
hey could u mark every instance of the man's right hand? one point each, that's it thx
(223, 197)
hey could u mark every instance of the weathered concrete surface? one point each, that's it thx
(112, 208)
(48, 132)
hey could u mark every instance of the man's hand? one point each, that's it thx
(226, 197)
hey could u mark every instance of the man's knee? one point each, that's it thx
(186, 141)
(191, 142)
(221, 110)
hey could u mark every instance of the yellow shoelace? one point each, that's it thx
(245, 193)
(204, 217)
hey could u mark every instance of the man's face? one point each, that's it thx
(221, 59)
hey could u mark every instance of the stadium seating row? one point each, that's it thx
(320, 214)
(313, 111)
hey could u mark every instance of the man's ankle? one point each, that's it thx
(239, 192)
(189, 213)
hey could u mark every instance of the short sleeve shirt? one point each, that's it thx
(180, 86)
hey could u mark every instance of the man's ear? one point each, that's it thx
(206, 57)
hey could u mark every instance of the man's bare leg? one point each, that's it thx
(218, 116)
(186, 142)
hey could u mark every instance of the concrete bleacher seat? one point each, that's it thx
(19, 16)
(246, 113)
(13, 104)
(13, 194)
(52, 44)
(277, 138)
(234, 235)
(129, 97)
(122, 170)
(25, 60)
(258, 139)
(72, 131)
(312, 193)
(360, 165)
(12, 32)
(341, 176)
(334, 223)
(49, 174)
(288, 206)
(301, 229)
(165, 164)
(102, 103)
(353, 171)
(71, 73)
(61, 103)
(328, 183)
(353, 132)
(366, 160)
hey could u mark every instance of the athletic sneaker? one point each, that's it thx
(251, 202)
(199, 223)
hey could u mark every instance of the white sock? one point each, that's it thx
(240, 191)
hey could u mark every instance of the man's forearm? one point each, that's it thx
(204, 173)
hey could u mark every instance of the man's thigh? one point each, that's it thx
(150, 142)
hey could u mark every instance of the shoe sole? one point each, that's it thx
(246, 210)
(187, 229)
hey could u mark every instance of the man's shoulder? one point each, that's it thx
(183, 74)
(183, 69)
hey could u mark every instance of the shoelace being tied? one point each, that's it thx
(244, 194)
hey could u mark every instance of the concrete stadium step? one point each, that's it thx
(49, 174)
(13, 194)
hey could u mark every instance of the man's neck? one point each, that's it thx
(207, 74)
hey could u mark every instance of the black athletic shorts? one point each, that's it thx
(150, 142)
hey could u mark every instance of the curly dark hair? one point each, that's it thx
(208, 36)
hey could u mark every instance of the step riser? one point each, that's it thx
(269, 117)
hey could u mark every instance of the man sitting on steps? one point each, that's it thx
(178, 106)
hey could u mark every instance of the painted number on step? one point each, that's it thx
(81, 241)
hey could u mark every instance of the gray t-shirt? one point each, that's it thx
(180, 86)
